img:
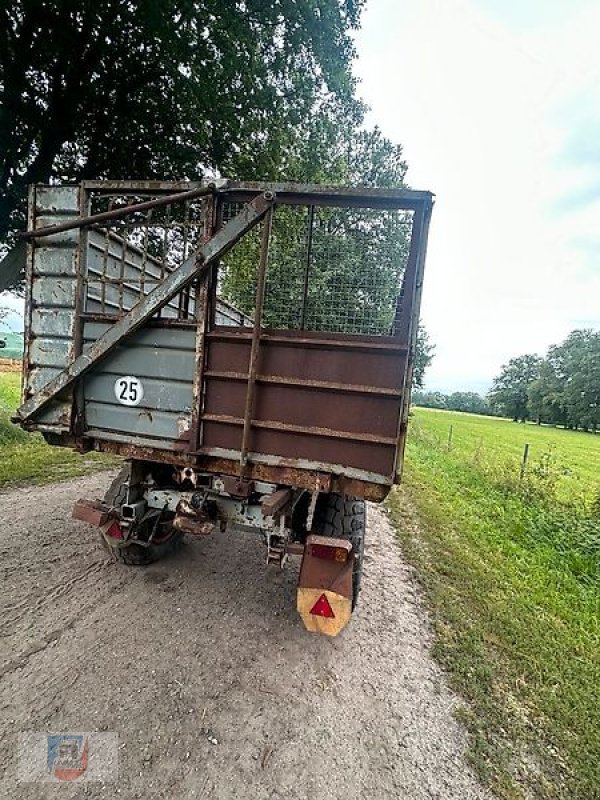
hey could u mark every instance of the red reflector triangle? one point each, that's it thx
(322, 608)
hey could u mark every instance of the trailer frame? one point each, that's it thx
(195, 450)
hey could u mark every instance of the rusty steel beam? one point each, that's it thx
(205, 298)
(191, 269)
(118, 213)
(288, 192)
(307, 265)
(275, 502)
(409, 326)
(320, 340)
(275, 425)
(278, 380)
(94, 512)
(318, 195)
(136, 187)
(285, 472)
(254, 348)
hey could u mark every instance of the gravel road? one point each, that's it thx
(201, 666)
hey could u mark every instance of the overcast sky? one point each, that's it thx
(497, 105)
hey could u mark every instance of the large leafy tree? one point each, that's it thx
(509, 390)
(567, 390)
(163, 88)
(562, 389)
(545, 395)
(579, 359)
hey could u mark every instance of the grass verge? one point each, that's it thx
(512, 577)
(26, 457)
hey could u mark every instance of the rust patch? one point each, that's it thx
(237, 487)
(94, 512)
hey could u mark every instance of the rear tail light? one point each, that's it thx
(328, 552)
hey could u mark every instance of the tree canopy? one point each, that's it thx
(509, 390)
(165, 89)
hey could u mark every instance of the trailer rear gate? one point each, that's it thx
(299, 373)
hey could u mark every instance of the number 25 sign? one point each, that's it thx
(129, 390)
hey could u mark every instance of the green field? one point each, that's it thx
(511, 569)
(14, 345)
(27, 457)
(573, 456)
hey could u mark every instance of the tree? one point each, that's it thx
(545, 395)
(358, 255)
(567, 389)
(170, 90)
(164, 90)
(509, 390)
(423, 356)
(579, 357)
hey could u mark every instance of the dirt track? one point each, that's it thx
(202, 667)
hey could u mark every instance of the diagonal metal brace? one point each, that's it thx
(191, 269)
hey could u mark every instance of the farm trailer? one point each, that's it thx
(246, 347)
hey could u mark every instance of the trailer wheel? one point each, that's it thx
(115, 494)
(344, 517)
(133, 554)
(136, 555)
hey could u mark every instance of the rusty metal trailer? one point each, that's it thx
(247, 347)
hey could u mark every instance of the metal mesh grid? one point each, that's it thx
(128, 257)
(239, 268)
(330, 269)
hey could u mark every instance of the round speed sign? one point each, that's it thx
(129, 390)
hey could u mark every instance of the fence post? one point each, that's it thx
(450, 437)
(524, 462)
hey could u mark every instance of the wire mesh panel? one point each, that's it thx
(127, 258)
(358, 261)
(335, 269)
(330, 269)
(239, 269)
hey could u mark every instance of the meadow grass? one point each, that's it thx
(575, 454)
(26, 457)
(511, 570)
(13, 345)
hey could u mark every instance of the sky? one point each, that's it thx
(497, 106)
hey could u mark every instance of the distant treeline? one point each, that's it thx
(470, 402)
(561, 389)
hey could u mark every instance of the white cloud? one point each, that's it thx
(477, 106)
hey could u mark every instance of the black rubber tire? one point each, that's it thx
(344, 517)
(111, 498)
(135, 555)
